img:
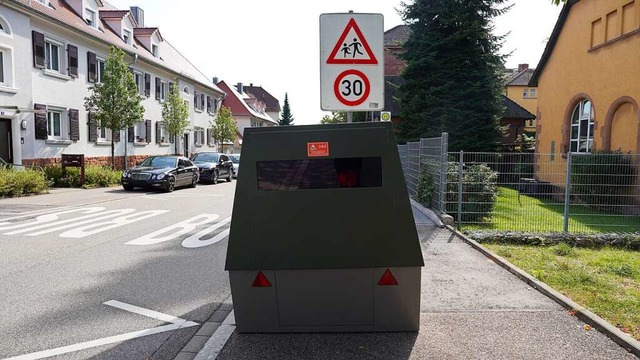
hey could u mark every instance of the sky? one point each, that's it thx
(275, 43)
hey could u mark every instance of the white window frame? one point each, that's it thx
(164, 134)
(126, 36)
(140, 132)
(99, 69)
(139, 79)
(51, 112)
(48, 43)
(164, 90)
(90, 17)
(3, 67)
(5, 29)
(580, 118)
(104, 134)
(154, 50)
(198, 136)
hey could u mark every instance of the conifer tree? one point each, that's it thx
(453, 77)
(286, 118)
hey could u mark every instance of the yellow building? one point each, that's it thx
(588, 81)
(518, 90)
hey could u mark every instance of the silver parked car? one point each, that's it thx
(235, 159)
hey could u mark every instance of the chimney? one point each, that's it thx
(138, 15)
(523, 67)
(215, 80)
(240, 88)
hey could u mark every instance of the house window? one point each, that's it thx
(582, 127)
(4, 27)
(90, 17)
(139, 78)
(126, 36)
(532, 93)
(54, 124)
(140, 131)
(52, 55)
(2, 71)
(198, 136)
(154, 50)
(163, 91)
(164, 134)
(104, 133)
(101, 67)
(256, 123)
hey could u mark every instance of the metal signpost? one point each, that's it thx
(351, 62)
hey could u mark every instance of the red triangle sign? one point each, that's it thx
(349, 49)
(388, 279)
(261, 281)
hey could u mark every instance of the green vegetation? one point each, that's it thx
(14, 183)
(175, 113)
(425, 186)
(225, 129)
(479, 192)
(607, 281)
(95, 176)
(286, 117)
(527, 213)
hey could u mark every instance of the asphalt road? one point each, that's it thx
(109, 274)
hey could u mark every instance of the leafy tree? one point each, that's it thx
(336, 117)
(114, 103)
(224, 128)
(453, 73)
(175, 113)
(286, 118)
(558, 2)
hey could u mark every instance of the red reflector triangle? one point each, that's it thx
(261, 281)
(388, 279)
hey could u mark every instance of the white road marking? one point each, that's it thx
(93, 229)
(174, 230)
(176, 323)
(194, 240)
(66, 224)
(47, 218)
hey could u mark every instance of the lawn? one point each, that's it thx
(606, 281)
(526, 213)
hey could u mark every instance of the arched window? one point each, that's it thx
(582, 127)
(4, 27)
(186, 89)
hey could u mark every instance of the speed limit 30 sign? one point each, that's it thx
(351, 62)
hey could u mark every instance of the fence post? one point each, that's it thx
(460, 174)
(444, 168)
(567, 194)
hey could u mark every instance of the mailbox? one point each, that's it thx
(322, 235)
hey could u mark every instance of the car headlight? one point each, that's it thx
(125, 174)
(160, 176)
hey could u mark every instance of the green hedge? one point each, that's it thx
(629, 241)
(95, 176)
(15, 183)
(479, 192)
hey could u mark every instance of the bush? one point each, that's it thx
(563, 249)
(603, 178)
(94, 176)
(479, 192)
(628, 241)
(15, 183)
(425, 187)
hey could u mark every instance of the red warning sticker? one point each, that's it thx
(317, 149)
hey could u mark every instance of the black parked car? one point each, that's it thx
(165, 172)
(213, 166)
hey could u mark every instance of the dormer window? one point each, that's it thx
(154, 50)
(126, 36)
(90, 17)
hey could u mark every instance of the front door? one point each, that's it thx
(6, 146)
(186, 145)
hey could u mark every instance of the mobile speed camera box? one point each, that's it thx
(322, 234)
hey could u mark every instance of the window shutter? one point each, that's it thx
(147, 135)
(209, 104)
(74, 124)
(195, 99)
(157, 88)
(38, 49)
(116, 136)
(147, 85)
(131, 134)
(201, 101)
(209, 136)
(158, 137)
(170, 85)
(131, 71)
(41, 122)
(93, 129)
(201, 137)
(72, 55)
(92, 66)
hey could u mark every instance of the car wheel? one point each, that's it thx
(194, 181)
(171, 184)
(215, 178)
(230, 176)
(127, 187)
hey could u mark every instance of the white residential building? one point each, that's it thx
(52, 51)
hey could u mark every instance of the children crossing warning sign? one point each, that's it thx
(351, 62)
(352, 47)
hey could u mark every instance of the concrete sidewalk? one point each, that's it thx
(471, 308)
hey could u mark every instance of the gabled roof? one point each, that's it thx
(552, 42)
(60, 13)
(515, 111)
(113, 14)
(397, 36)
(520, 78)
(273, 105)
(238, 106)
